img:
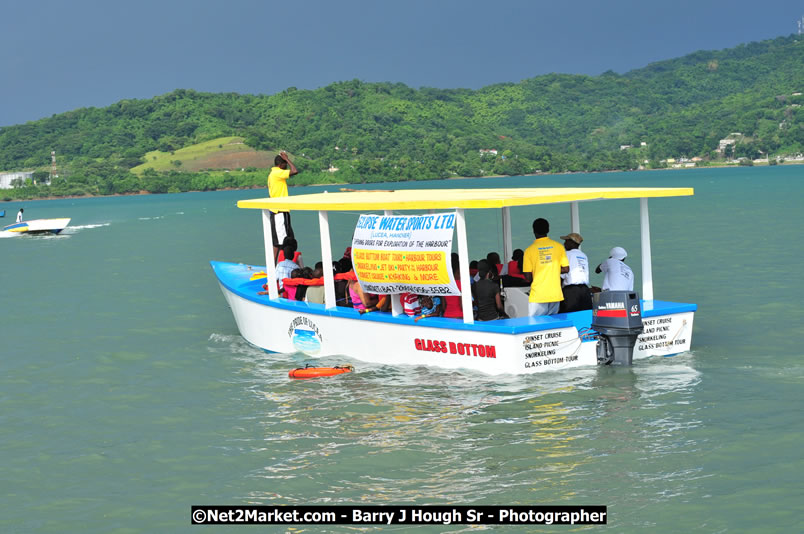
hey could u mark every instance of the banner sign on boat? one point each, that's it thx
(405, 254)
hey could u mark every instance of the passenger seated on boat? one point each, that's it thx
(315, 294)
(410, 304)
(286, 266)
(494, 261)
(301, 290)
(431, 307)
(486, 292)
(360, 299)
(296, 255)
(452, 303)
(344, 265)
(515, 265)
(619, 276)
(473, 270)
(515, 277)
(383, 305)
(291, 289)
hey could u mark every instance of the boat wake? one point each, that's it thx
(74, 229)
(233, 344)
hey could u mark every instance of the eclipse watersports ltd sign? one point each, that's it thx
(405, 254)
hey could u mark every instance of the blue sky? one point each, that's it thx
(56, 56)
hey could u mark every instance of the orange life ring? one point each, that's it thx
(315, 372)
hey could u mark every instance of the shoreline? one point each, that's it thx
(339, 184)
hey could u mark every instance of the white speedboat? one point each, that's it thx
(390, 257)
(38, 226)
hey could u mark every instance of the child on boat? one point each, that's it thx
(383, 305)
(342, 266)
(486, 292)
(285, 268)
(410, 304)
(431, 307)
(315, 294)
(360, 299)
(452, 303)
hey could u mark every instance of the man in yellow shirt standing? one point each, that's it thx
(542, 266)
(278, 187)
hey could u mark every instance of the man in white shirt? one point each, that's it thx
(575, 283)
(619, 276)
(19, 215)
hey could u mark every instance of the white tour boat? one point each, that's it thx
(387, 248)
(38, 226)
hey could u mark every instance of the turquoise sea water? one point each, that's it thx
(127, 395)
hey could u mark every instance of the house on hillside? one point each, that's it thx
(488, 151)
(723, 143)
(7, 178)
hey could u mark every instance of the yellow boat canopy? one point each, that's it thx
(458, 199)
(430, 199)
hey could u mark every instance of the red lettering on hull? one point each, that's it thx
(462, 349)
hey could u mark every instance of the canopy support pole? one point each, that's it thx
(575, 218)
(270, 267)
(647, 269)
(463, 257)
(330, 300)
(508, 243)
(396, 303)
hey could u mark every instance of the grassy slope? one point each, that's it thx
(220, 153)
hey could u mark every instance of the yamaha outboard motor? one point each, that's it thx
(617, 317)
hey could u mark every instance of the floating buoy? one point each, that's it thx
(315, 372)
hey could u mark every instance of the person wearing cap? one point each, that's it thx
(575, 283)
(542, 265)
(278, 187)
(619, 276)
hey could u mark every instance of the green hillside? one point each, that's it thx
(387, 131)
